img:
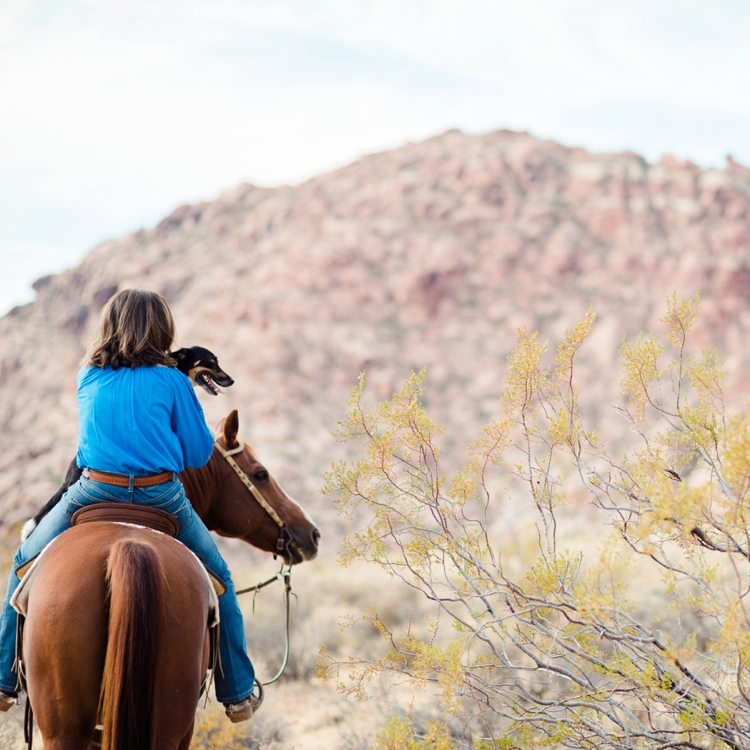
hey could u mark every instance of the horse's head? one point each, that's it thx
(282, 527)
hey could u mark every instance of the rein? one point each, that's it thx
(283, 542)
(286, 576)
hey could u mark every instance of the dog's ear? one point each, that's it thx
(228, 428)
(179, 355)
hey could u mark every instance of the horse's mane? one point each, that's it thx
(199, 482)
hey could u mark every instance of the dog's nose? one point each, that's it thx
(229, 382)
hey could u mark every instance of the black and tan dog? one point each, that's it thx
(201, 367)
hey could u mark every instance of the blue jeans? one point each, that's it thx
(238, 679)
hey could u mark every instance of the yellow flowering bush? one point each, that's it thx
(556, 652)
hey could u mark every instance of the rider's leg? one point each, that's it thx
(53, 524)
(238, 678)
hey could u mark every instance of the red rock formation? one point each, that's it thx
(426, 256)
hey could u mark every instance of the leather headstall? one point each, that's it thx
(284, 540)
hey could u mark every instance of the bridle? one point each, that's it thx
(284, 543)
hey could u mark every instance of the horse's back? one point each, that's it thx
(67, 626)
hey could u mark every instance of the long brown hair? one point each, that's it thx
(136, 329)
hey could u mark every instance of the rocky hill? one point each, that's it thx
(426, 256)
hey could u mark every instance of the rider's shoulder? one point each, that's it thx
(170, 375)
(163, 371)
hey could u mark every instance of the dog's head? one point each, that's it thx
(202, 367)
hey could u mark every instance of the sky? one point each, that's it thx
(113, 112)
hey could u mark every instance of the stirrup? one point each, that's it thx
(244, 709)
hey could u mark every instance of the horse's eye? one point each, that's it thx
(261, 476)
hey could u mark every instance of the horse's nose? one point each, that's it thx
(315, 537)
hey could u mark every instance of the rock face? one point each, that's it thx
(426, 256)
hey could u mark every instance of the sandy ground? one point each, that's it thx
(307, 716)
(295, 715)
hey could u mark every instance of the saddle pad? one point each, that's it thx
(20, 599)
(140, 515)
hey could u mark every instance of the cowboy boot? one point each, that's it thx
(8, 700)
(244, 710)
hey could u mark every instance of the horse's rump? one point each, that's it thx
(116, 629)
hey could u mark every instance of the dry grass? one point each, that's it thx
(213, 731)
(326, 592)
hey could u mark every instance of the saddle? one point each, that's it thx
(114, 512)
(139, 515)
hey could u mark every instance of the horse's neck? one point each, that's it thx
(201, 487)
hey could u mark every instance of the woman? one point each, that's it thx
(140, 424)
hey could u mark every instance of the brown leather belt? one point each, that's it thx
(118, 480)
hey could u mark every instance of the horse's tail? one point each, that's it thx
(136, 604)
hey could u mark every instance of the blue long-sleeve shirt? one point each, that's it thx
(140, 421)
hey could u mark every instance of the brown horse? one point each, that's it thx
(117, 616)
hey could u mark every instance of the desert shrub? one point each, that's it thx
(401, 734)
(213, 731)
(559, 648)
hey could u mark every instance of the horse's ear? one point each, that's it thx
(231, 428)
